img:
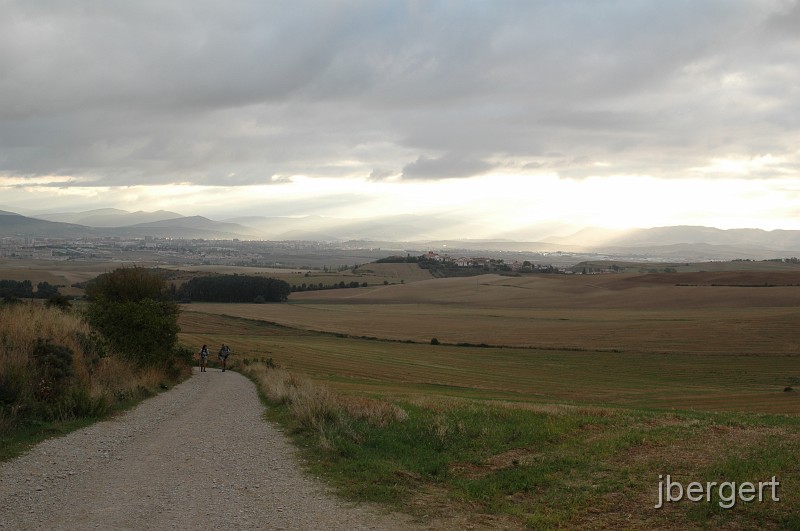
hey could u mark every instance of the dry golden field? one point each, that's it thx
(632, 340)
(57, 273)
(613, 312)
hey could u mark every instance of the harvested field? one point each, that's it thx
(599, 312)
(640, 292)
(64, 273)
(613, 339)
(723, 382)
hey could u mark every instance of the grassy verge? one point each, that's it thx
(467, 462)
(18, 439)
(25, 436)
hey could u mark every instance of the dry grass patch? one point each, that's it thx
(375, 412)
(316, 406)
(54, 368)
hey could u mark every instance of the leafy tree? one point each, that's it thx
(133, 310)
(45, 290)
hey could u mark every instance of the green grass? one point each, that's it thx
(552, 468)
(26, 437)
(31, 433)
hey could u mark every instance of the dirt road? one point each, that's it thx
(180, 460)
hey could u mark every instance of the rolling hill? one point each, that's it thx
(15, 226)
(110, 217)
(679, 243)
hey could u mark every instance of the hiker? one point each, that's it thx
(223, 355)
(203, 358)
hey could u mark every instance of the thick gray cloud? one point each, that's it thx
(119, 93)
(448, 167)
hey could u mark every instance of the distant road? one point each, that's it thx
(197, 457)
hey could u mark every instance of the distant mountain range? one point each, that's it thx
(194, 227)
(110, 217)
(678, 242)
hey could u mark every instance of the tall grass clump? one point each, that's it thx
(55, 368)
(317, 411)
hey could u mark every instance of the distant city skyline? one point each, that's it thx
(503, 114)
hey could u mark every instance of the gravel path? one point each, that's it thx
(180, 460)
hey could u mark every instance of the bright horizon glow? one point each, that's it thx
(498, 202)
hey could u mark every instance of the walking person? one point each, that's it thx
(203, 358)
(223, 355)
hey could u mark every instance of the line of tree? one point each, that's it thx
(23, 289)
(234, 288)
(396, 259)
(321, 286)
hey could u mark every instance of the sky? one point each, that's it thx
(503, 113)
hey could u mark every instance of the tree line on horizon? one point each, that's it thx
(23, 289)
(234, 288)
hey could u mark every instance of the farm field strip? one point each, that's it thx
(765, 331)
(719, 382)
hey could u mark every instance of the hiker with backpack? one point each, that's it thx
(224, 351)
(203, 358)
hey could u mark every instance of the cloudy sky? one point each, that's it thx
(506, 113)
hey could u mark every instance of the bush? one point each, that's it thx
(53, 370)
(9, 390)
(434, 341)
(58, 301)
(135, 300)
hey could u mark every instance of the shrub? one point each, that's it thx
(53, 370)
(9, 390)
(135, 299)
(58, 301)
(434, 341)
(80, 402)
